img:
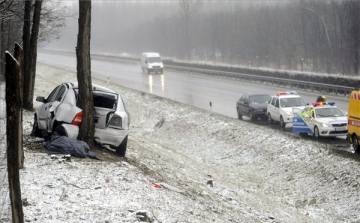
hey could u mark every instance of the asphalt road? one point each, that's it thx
(202, 91)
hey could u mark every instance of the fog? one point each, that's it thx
(306, 35)
(116, 24)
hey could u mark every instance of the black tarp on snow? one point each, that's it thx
(65, 145)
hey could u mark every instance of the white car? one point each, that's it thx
(280, 107)
(151, 62)
(60, 108)
(320, 120)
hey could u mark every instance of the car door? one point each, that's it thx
(244, 105)
(42, 111)
(54, 105)
(302, 121)
(273, 109)
(45, 112)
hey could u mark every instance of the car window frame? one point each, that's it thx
(52, 95)
(59, 94)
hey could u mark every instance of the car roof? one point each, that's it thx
(75, 85)
(151, 54)
(258, 95)
(288, 96)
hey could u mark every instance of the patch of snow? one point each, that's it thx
(257, 173)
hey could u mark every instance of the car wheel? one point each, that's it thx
(36, 131)
(355, 144)
(316, 132)
(121, 149)
(239, 114)
(148, 71)
(282, 123)
(270, 119)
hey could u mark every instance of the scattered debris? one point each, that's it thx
(156, 185)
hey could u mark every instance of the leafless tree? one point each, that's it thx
(11, 20)
(26, 47)
(30, 44)
(53, 15)
(188, 9)
(84, 73)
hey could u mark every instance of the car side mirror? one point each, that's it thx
(40, 99)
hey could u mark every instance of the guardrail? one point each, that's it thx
(294, 84)
(287, 83)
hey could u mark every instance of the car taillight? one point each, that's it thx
(77, 119)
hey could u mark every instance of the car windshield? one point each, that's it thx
(291, 102)
(154, 60)
(259, 98)
(328, 112)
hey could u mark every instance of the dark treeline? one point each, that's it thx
(308, 35)
(304, 35)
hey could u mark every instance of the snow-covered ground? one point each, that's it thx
(188, 165)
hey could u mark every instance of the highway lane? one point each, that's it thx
(218, 95)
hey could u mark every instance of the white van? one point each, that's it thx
(151, 62)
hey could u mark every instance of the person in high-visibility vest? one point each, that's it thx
(321, 99)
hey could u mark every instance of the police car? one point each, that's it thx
(280, 107)
(322, 119)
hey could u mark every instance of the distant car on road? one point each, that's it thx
(61, 108)
(253, 106)
(151, 62)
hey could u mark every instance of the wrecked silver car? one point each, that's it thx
(61, 108)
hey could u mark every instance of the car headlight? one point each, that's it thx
(288, 113)
(325, 125)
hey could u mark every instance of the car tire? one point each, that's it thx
(316, 132)
(282, 123)
(36, 131)
(355, 144)
(121, 149)
(148, 71)
(239, 115)
(270, 121)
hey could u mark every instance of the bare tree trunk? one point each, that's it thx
(2, 55)
(30, 80)
(13, 108)
(189, 7)
(84, 73)
(18, 54)
(26, 47)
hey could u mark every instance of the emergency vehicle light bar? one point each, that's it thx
(322, 103)
(286, 93)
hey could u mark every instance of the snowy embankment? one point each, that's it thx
(211, 168)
